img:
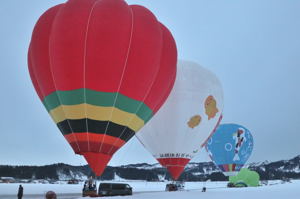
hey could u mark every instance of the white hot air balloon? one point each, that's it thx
(186, 120)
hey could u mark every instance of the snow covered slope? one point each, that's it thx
(151, 172)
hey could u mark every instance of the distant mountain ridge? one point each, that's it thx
(151, 172)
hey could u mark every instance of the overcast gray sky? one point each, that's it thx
(253, 47)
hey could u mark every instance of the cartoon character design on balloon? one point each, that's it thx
(194, 121)
(211, 107)
(239, 138)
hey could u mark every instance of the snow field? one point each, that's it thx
(155, 190)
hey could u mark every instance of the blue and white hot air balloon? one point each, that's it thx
(230, 147)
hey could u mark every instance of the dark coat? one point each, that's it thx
(20, 191)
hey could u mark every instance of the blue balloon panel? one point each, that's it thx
(230, 147)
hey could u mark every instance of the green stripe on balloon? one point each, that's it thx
(106, 99)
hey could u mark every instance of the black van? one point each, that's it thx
(114, 189)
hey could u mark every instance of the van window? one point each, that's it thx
(105, 186)
(118, 186)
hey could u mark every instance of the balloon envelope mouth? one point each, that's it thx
(175, 166)
(97, 161)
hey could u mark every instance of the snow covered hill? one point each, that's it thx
(151, 172)
(279, 169)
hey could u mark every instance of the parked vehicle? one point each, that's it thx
(73, 181)
(238, 184)
(114, 189)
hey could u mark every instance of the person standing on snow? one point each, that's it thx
(20, 192)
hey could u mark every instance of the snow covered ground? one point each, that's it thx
(279, 191)
(145, 190)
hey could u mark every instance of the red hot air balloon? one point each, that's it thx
(102, 69)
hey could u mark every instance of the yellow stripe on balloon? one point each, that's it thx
(100, 113)
(230, 167)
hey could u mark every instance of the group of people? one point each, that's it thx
(89, 185)
(49, 194)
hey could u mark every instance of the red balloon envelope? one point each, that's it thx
(102, 69)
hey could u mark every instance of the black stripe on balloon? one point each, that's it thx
(95, 126)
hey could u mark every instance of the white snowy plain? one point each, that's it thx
(147, 190)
